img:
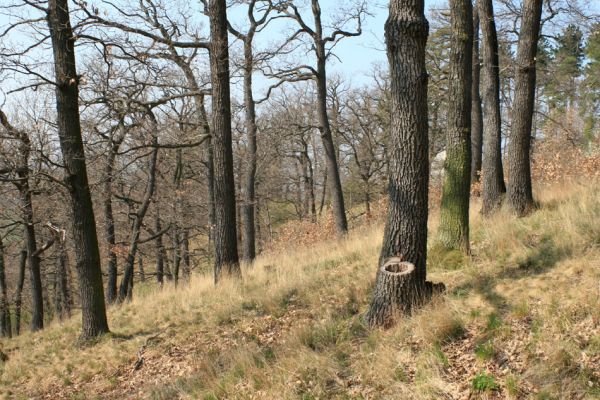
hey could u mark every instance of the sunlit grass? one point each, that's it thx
(292, 328)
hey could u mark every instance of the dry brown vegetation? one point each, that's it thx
(520, 319)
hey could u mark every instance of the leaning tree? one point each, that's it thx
(87, 252)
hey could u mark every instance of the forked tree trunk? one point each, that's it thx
(476, 110)
(405, 235)
(453, 232)
(492, 173)
(225, 238)
(82, 213)
(519, 194)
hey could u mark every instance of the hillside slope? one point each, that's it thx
(520, 319)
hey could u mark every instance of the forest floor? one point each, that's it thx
(520, 319)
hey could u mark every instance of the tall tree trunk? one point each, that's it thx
(308, 183)
(159, 250)
(519, 195)
(141, 268)
(69, 131)
(323, 192)
(249, 244)
(185, 253)
(176, 256)
(127, 280)
(226, 251)
(453, 231)
(476, 111)
(109, 223)
(178, 210)
(335, 183)
(63, 291)
(492, 173)
(257, 209)
(405, 235)
(5, 323)
(333, 172)
(19, 290)
(33, 259)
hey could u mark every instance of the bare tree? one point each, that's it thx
(69, 129)
(22, 182)
(401, 275)
(322, 45)
(453, 231)
(249, 65)
(476, 111)
(519, 194)
(492, 172)
(226, 249)
(5, 322)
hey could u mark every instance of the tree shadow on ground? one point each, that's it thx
(543, 256)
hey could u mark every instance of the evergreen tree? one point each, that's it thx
(567, 60)
(590, 97)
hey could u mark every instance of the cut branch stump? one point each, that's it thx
(397, 292)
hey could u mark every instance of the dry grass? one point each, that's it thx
(520, 319)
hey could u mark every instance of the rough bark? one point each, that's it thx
(69, 130)
(393, 292)
(33, 259)
(249, 244)
(5, 323)
(225, 239)
(405, 235)
(453, 232)
(491, 170)
(19, 290)
(519, 193)
(476, 110)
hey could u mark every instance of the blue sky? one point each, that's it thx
(358, 54)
